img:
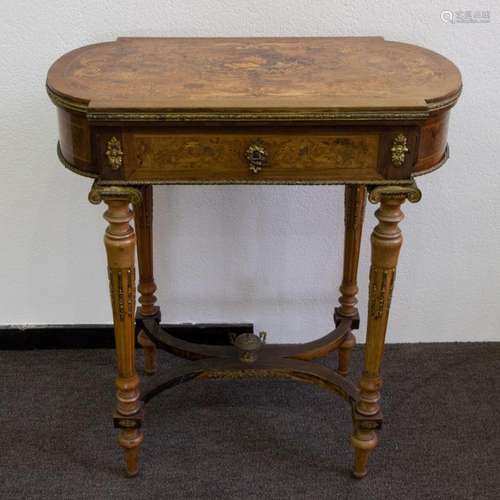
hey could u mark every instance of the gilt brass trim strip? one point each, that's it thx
(252, 116)
(305, 115)
(197, 116)
(369, 182)
(63, 102)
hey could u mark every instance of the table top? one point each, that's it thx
(253, 110)
(254, 74)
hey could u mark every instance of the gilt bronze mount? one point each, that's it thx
(256, 156)
(399, 150)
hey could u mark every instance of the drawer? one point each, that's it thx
(261, 156)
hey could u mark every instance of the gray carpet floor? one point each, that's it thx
(252, 440)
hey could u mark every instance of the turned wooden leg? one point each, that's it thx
(345, 350)
(363, 441)
(119, 240)
(386, 243)
(149, 349)
(355, 199)
(143, 216)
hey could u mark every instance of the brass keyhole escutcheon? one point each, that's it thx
(256, 156)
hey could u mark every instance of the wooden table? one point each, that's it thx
(363, 112)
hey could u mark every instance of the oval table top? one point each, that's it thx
(254, 74)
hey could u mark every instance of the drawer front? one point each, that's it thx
(232, 157)
(264, 155)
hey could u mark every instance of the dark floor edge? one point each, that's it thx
(26, 337)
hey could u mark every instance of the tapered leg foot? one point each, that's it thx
(130, 440)
(345, 351)
(149, 350)
(363, 442)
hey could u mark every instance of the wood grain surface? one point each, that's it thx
(254, 73)
(221, 156)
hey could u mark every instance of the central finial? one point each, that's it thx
(248, 345)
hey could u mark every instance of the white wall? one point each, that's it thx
(271, 255)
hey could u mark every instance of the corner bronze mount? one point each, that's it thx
(114, 153)
(399, 150)
(98, 192)
(408, 191)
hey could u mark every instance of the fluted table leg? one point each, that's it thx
(119, 241)
(386, 243)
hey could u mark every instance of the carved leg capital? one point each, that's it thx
(100, 192)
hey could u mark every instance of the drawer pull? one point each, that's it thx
(399, 150)
(257, 157)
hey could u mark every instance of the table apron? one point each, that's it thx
(258, 155)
